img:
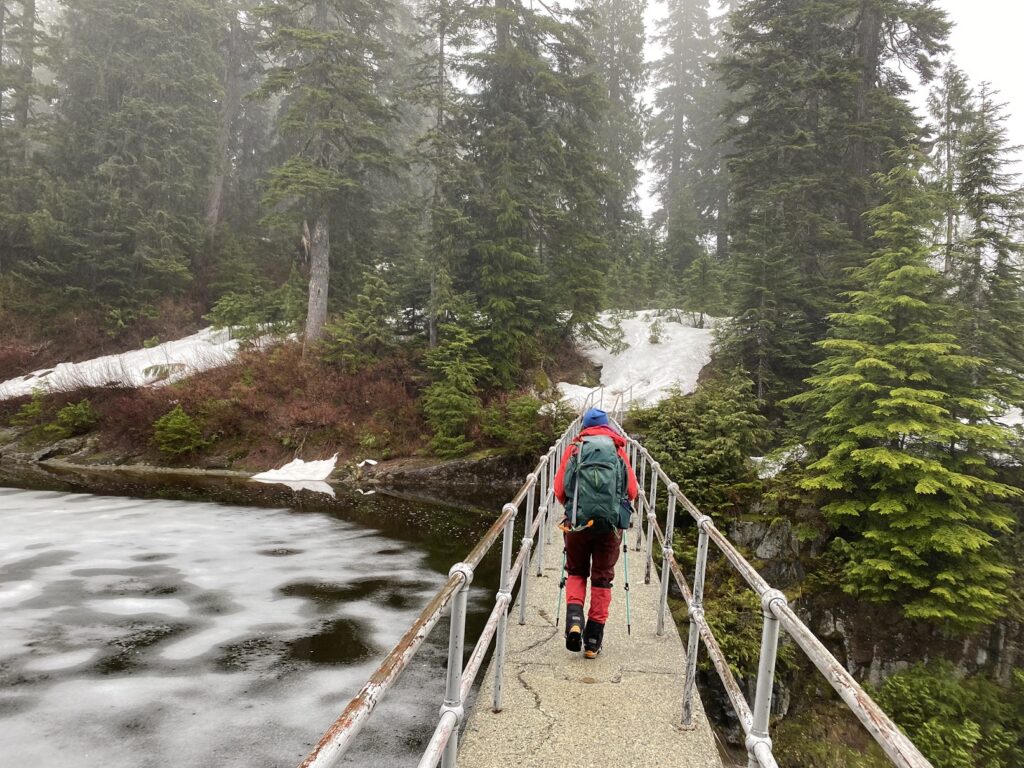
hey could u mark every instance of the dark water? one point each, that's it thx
(166, 633)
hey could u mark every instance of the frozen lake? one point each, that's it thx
(139, 633)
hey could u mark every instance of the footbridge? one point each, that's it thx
(637, 704)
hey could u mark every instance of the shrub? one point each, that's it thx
(957, 723)
(176, 433)
(525, 424)
(31, 413)
(703, 440)
(73, 419)
(450, 403)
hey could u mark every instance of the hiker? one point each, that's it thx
(597, 510)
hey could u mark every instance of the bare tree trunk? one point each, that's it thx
(228, 115)
(869, 51)
(319, 276)
(23, 96)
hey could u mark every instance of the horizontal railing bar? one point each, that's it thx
(337, 738)
(715, 653)
(894, 743)
(476, 661)
(900, 750)
(517, 566)
(442, 733)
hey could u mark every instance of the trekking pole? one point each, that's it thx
(625, 552)
(561, 588)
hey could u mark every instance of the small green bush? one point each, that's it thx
(525, 424)
(176, 433)
(75, 418)
(957, 722)
(31, 413)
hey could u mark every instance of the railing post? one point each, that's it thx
(651, 520)
(542, 512)
(758, 738)
(504, 593)
(696, 610)
(456, 646)
(642, 483)
(527, 545)
(552, 470)
(666, 556)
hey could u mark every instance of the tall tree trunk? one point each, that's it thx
(319, 277)
(434, 311)
(722, 220)
(948, 266)
(23, 95)
(228, 114)
(869, 51)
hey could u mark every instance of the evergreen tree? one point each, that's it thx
(702, 284)
(364, 333)
(989, 290)
(678, 133)
(903, 473)
(451, 403)
(333, 120)
(618, 63)
(950, 106)
(536, 246)
(120, 218)
(816, 109)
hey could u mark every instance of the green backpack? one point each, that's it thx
(602, 483)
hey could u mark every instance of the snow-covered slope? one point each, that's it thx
(646, 371)
(161, 364)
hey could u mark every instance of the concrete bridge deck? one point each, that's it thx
(561, 710)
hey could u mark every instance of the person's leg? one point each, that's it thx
(605, 556)
(577, 566)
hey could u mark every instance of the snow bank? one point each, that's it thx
(162, 364)
(645, 371)
(302, 475)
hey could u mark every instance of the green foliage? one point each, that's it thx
(75, 419)
(703, 440)
(255, 313)
(702, 286)
(657, 328)
(365, 333)
(957, 722)
(31, 413)
(524, 424)
(450, 403)
(901, 435)
(176, 433)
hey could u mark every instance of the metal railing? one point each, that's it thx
(776, 612)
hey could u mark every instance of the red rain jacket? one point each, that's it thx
(620, 444)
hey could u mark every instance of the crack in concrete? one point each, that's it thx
(552, 721)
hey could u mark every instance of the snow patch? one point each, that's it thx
(155, 366)
(646, 372)
(302, 475)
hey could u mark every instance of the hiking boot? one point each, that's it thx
(573, 627)
(593, 636)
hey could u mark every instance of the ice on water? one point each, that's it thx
(178, 634)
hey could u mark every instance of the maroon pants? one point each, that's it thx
(591, 555)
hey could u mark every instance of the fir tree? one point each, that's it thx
(677, 131)
(536, 245)
(904, 479)
(988, 282)
(120, 218)
(451, 403)
(333, 120)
